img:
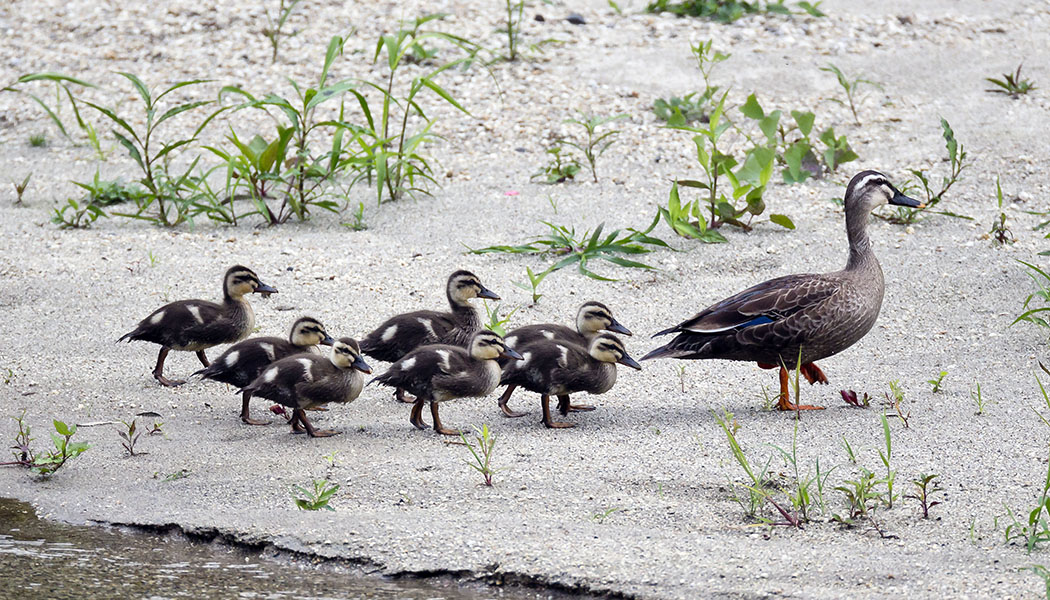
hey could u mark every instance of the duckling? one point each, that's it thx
(590, 319)
(441, 372)
(555, 368)
(242, 362)
(805, 317)
(196, 325)
(305, 380)
(403, 333)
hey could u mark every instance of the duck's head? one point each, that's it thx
(346, 354)
(594, 317)
(464, 285)
(487, 345)
(608, 348)
(241, 281)
(308, 331)
(869, 189)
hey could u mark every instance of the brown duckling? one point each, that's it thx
(242, 362)
(196, 325)
(403, 333)
(304, 381)
(590, 319)
(552, 368)
(441, 372)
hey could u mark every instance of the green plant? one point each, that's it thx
(727, 11)
(978, 399)
(38, 140)
(758, 477)
(317, 498)
(936, 382)
(1043, 573)
(1000, 233)
(172, 195)
(129, 436)
(102, 192)
(495, 323)
(563, 241)
(895, 400)
(850, 87)
(687, 221)
(482, 453)
(1011, 84)
(275, 22)
(62, 83)
(533, 284)
(860, 495)
(257, 165)
(957, 163)
(682, 111)
(358, 216)
(1042, 390)
(156, 429)
(73, 215)
(686, 109)
(850, 454)
(9, 376)
(680, 371)
(803, 497)
(512, 29)
(560, 167)
(1035, 314)
(596, 144)
(176, 475)
(925, 488)
(886, 458)
(20, 188)
(600, 516)
(1036, 528)
(850, 397)
(45, 464)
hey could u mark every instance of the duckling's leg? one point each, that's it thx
(245, 398)
(400, 396)
(508, 411)
(416, 418)
(158, 371)
(310, 428)
(785, 396)
(294, 422)
(813, 374)
(438, 427)
(203, 358)
(545, 401)
(569, 407)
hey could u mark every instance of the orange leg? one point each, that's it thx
(785, 395)
(813, 374)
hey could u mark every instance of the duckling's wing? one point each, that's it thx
(205, 323)
(540, 332)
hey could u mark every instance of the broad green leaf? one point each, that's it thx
(782, 220)
(752, 109)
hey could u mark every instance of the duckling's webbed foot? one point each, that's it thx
(507, 410)
(416, 418)
(310, 428)
(400, 396)
(547, 420)
(203, 358)
(438, 427)
(565, 407)
(813, 374)
(785, 397)
(246, 398)
(158, 371)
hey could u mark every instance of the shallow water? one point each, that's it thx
(45, 559)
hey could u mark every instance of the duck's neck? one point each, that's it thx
(860, 253)
(466, 317)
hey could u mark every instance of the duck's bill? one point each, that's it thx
(265, 290)
(901, 200)
(616, 327)
(630, 362)
(328, 340)
(511, 353)
(360, 364)
(488, 294)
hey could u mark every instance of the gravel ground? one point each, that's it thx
(652, 450)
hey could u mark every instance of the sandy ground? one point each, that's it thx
(652, 450)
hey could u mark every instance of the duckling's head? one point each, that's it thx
(308, 331)
(594, 317)
(608, 348)
(346, 354)
(464, 285)
(241, 281)
(869, 189)
(487, 345)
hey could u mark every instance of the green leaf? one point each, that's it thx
(782, 220)
(752, 109)
(140, 87)
(64, 429)
(804, 120)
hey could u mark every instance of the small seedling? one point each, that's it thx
(38, 140)
(861, 497)
(1012, 85)
(596, 144)
(180, 474)
(1000, 233)
(925, 488)
(153, 258)
(274, 24)
(495, 323)
(1036, 528)
(727, 11)
(129, 437)
(559, 168)
(852, 399)
(1043, 574)
(680, 370)
(20, 188)
(156, 429)
(851, 87)
(73, 215)
(600, 517)
(533, 283)
(9, 376)
(317, 498)
(895, 400)
(978, 398)
(886, 457)
(47, 464)
(936, 382)
(358, 223)
(1033, 314)
(850, 455)
(482, 452)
